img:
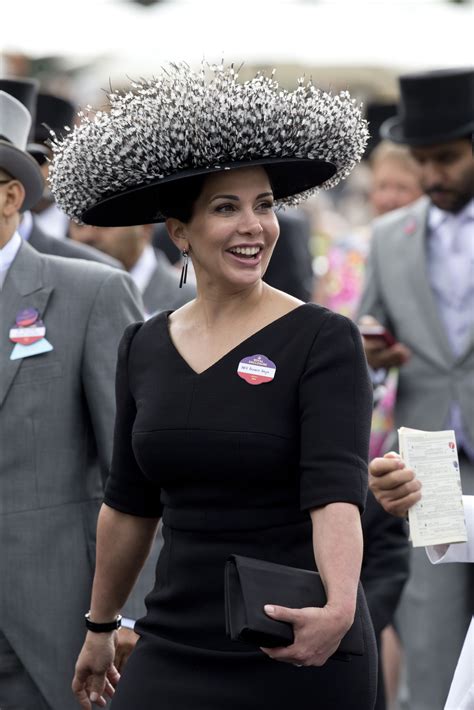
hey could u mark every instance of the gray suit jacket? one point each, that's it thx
(162, 292)
(56, 423)
(399, 295)
(66, 247)
(436, 604)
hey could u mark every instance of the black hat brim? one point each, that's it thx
(24, 168)
(141, 204)
(394, 129)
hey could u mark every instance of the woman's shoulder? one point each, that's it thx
(320, 316)
(142, 332)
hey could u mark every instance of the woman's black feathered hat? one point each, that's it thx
(109, 170)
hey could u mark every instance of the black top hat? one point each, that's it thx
(52, 113)
(25, 91)
(435, 106)
(376, 114)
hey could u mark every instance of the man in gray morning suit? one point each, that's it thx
(156, 279)
(56, 420)
(61, 247)
(419, 285)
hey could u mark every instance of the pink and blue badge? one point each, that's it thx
(256, 369)
(28, 335)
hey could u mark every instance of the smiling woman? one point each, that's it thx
(232, 230)
(243, 417)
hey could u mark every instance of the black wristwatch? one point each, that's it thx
(103, 628)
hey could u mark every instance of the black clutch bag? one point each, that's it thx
(250, 584)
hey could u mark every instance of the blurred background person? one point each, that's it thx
(397, 489)
(156, 279)
(25, 90)
(290, 268)
(385, 571)
(394, 182)
(395, 178)
(419, 286)
(61, 321)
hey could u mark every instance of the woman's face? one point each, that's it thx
(233, 230)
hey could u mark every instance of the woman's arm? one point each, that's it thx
(123, 543)
(338, 547)
(337, 542)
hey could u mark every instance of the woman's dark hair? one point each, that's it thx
(177, 199)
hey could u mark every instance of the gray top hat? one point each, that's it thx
(15, 122)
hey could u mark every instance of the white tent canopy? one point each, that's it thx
(410, 33)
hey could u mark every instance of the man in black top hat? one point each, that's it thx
(419, 286)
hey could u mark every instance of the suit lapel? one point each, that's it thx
(416, 229)
(23, 287)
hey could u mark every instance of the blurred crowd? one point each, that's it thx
(366, 250)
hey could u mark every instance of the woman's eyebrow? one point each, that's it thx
(237, 198)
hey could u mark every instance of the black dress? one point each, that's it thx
(234, 467)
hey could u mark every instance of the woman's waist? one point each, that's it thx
(229, 519)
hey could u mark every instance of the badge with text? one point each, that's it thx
(28, 328)
(256, 369)
(28, 335)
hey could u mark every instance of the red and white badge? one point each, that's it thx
(27, 336)
(256, 369)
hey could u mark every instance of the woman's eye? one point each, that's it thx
(225, 207)
(265, 205)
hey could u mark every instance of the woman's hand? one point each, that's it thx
(318, 633)
(96, 676)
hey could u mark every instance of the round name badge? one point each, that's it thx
(256, 369)
(27, 317)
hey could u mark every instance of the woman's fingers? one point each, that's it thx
(283, 613)
(316, 636)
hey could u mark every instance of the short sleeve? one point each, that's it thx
(127, 489)
(335, 400)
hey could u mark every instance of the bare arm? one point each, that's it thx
(338, 547)
(337, 542)
(123, 543)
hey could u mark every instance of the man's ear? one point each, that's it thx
(14, 198)
(177, 232)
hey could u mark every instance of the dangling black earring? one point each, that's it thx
(184, 270)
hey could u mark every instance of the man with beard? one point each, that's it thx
(420, 288)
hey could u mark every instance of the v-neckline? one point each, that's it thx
(166, 315)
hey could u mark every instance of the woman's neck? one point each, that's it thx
(212, 308)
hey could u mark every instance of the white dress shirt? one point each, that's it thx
(26, 225)
(141, 272)
(450, 265)
(53, 221)
(461, 694)
(7, 256)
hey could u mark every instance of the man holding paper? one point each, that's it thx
(397, 489)
(419, 287)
